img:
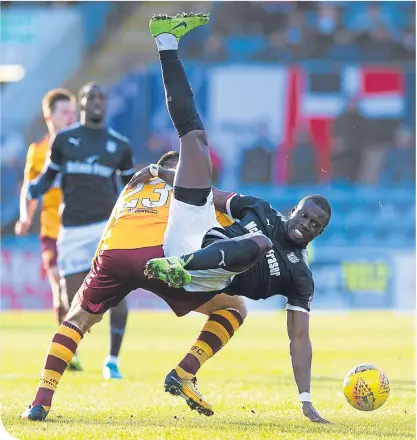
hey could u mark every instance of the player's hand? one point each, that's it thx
(141, 176)
(22, 227)
(312, 414)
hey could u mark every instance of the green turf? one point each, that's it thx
(250, 383)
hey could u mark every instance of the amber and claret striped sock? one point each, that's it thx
(60, 352)
(215, 334)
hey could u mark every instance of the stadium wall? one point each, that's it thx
(40, 40)
(348, 278)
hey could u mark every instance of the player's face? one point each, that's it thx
(306, 222)
(63, 115)
(94, 103)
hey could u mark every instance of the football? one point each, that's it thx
(366, 387)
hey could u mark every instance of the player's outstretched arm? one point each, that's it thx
(301, 355)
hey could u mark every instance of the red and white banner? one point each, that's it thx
(288, 98)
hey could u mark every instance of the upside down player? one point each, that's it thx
(87, 155)
(135, 233)
(58, 108)
(262, 255)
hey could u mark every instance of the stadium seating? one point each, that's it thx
(359, 219)
(242, 47)
(362, 215)
(324, 41)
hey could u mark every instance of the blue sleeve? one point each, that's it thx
(126, 165)
(44, 182)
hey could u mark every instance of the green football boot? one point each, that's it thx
(177, 25)
(169, 270)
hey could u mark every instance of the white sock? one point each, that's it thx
(112, 359)
(166, 42)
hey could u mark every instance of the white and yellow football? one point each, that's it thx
(366, 387)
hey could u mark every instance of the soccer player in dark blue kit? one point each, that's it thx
(260, 255)
(87, 155)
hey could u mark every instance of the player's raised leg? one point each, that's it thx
(192, 183)
(235, 255)
(194, 167)
(192, 211)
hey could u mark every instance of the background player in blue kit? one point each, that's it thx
(88, 155)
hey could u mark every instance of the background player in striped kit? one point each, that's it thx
(59, 111)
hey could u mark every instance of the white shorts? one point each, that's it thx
(77, 246)
(186, 228)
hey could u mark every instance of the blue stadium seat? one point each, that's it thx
(357, 217)
(337, 239)
(368, 240)
(395, 240)
(340, 52)
(241, 47)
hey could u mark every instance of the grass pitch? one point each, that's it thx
(249, 383)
